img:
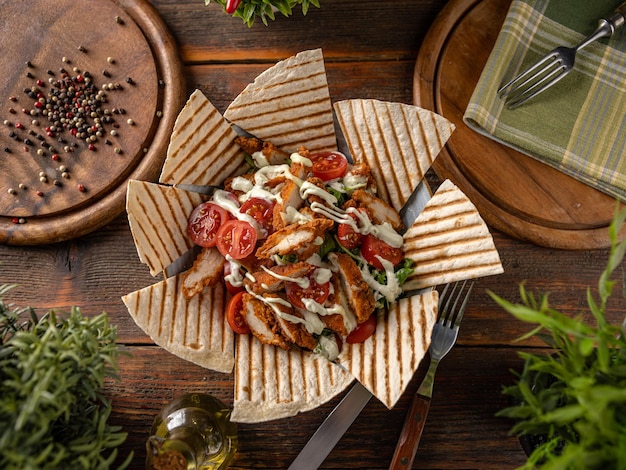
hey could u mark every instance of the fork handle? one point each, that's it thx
(411, 433)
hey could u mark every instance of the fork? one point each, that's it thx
(556, 65)
(444, 336)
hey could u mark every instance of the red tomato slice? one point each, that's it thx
(329, 165)
(363, 330)
(236, 238)
(232, 289)
(234, 315)
(373, 246)
(204, 223)
(260, 210)
(315, 291)
(347, 236)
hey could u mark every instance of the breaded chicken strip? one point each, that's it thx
(303, 240)
(272, 154)
(289, 197)
(339, 323)
(262, 322)
(206, 271)
(351, 283)
(270, 280)
(381, 211)
(294, 331)
(358, 172)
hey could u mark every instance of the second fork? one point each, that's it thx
(451, 309)
(555, 65)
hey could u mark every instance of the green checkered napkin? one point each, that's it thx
(579, 125)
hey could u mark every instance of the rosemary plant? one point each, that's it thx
(248, 10)
(53, 414)
(574, 398)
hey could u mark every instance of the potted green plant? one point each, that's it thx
(53, 412)
(570, 403)
(248, 10)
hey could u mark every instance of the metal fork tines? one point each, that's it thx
(451, 309)
(555, 65)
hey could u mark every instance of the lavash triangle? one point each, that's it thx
(202, 149)
(192, 329)
(157, 216)
(398, 141)
(298, 381)
(385, 363)
(449, 242)
(288, 105)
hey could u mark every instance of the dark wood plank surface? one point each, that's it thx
(65, 53)
(370, 49)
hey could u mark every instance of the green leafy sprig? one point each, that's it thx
(574, 397)
(248, 10)
(53, 414)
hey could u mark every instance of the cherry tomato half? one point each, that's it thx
(315, 291)
(347, 236)
(234, 315)
(373, 246)
(329, 165)
(363, 330)
(204, 223)
(236, 238)
(260, 210)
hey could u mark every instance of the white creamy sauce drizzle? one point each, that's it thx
(392, 289)
(328, 347)
(383, 231)
(311, 315)
(309, 189)
(311, 321)
(223, 199)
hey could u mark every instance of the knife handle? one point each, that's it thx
(411, 433)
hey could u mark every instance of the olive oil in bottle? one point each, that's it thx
(193, 432)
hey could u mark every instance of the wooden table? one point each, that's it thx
(370, 50)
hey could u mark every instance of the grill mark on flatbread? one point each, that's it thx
(298, 87)
(289, 105)
(202, 148)
(157, 217)
(185, 328)
(449, 241)
(410, 321)
(404, 137)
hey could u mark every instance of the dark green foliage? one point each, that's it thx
(53, 414)
(574, 397)
(248, 10)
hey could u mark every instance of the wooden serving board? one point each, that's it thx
(65, 153)
(514, 193)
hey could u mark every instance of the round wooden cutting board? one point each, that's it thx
(89, 94)
(514, 193)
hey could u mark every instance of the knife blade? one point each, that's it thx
(330, 431)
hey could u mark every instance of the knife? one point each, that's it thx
(330, 431)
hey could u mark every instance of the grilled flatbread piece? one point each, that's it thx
(157, 216)
(202, 149)
(398, 141)
(387, 361)
(193, 329)
(449, 241)
(296, 381)
(288, 105)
